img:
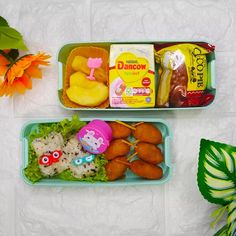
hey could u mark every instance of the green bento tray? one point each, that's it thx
(67, 48)
(130, 178)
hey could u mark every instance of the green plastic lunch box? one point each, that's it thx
(130, 178)
(66, 49)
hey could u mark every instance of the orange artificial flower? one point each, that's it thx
(18, 76)
(4, 63)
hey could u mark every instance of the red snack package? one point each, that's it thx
(183, 74)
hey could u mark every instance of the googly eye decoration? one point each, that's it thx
(89, 158)
(83, 160)
(56, 155)
(45, 160)
(49, 159)
(77, 162)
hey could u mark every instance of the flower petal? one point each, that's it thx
(26, 81)
(15, 71)
(3, 70)
(2, 88)
(34, 72)
(9, 90)
(40, 59)
(3, 61)
(19, 87)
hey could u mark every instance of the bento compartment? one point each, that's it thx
(132, 79)
(174, 94)
(184, 76)
(78, 90)
(32, 129)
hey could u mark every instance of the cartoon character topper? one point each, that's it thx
(93, 63)
(95, 137)
(49, 159)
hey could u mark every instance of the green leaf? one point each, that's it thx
(11, 39)
(232, 219)
(32, 171)
(66, 127)
(3, 22)
(218, 213)
(222, 232)
(217, 172)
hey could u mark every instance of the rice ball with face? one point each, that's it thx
(82, 167)
(46, 149)
(78, 160)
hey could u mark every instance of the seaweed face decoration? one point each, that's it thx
(217, 181)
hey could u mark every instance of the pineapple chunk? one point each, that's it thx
(79, 79)
(92, 95)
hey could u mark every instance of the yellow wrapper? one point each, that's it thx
(132, 76)
(183, 73)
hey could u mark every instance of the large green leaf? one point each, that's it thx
(230, 228)
(217, 180)
(222, 232)
(3, 22)
(217, 172)
(232, 219)
(11, 39)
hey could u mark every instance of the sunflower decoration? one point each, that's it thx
(17, 72)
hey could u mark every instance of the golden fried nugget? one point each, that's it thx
(116, 148)
(146, 170)
(119, 130)
(148, 133)
(149, 153)
(115, 169)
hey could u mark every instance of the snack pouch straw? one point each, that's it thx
(182, 75)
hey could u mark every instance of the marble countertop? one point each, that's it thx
(174, 209)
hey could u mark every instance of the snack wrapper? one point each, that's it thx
(183, 75)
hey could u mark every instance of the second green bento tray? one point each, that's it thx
(67, 48)
(130, 178)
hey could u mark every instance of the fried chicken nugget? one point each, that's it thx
(115, 169)
(146, 170)
(148, 133)
(149, 153)
(119, 130)
(116, 148)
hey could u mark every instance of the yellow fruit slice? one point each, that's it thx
(93, 96)
(79, 79)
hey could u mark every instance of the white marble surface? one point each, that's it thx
(174, 209)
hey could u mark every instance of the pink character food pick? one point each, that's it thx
(93, 63)
(95, 137)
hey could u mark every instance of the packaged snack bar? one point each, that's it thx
(183, 74)
(132, 76)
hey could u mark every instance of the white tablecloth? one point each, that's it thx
(173, 209)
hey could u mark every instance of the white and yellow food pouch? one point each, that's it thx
(132, 76)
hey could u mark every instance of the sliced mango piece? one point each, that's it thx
(80, 64)
(88, 97)
(79, 79)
